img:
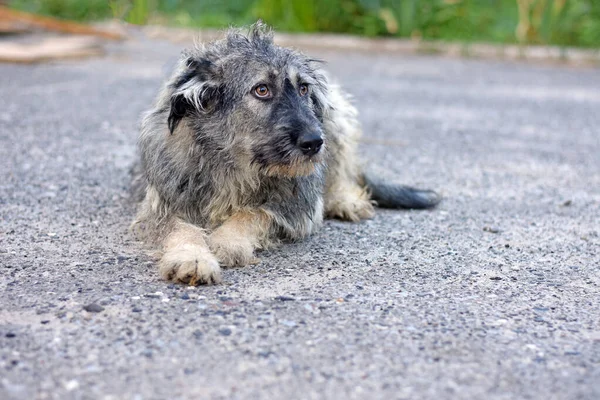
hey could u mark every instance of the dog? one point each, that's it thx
(249, 144)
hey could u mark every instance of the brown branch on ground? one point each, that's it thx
(9, 17)
(55, 48)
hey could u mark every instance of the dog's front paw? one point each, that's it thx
(350, 208)
(230, 250)
(190, 264)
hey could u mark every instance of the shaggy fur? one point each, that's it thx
(249, 143)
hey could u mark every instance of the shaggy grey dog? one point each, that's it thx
(249, 143)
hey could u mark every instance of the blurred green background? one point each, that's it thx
(559, 22)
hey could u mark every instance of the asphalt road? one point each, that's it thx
(493, 295)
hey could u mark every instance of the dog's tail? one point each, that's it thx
(389, 195)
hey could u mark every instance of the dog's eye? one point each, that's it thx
(262, 92)
(303, 89)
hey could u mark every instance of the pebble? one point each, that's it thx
(491, 229)
(93, 308)
(71, 385)
(198, 334)
(225, 331)
(284, 298)
(312, 308)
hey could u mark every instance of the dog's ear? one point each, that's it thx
(180, 107)
(195, 90)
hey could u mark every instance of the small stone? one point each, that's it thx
(136, 309)
(284, 298)
(567, 203)
(312, 308)
(225, 331)
(93, 308)
(198, 334)
(184, 296)
(499, 322)
(10, 335)
(46, 321)
(71, 385)
(491, 229)
(496, 278)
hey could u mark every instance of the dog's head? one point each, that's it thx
(263, 100)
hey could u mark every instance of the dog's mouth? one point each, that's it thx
(301, 165)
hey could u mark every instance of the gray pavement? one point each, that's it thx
(493, 295)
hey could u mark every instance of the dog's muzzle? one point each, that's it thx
(310, 143)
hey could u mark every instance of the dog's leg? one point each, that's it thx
(347, 200)
(186, 257)
(345, 195)
(234, 242)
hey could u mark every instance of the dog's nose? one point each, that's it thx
(310, 143)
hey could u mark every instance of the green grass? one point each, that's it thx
(560, 22)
